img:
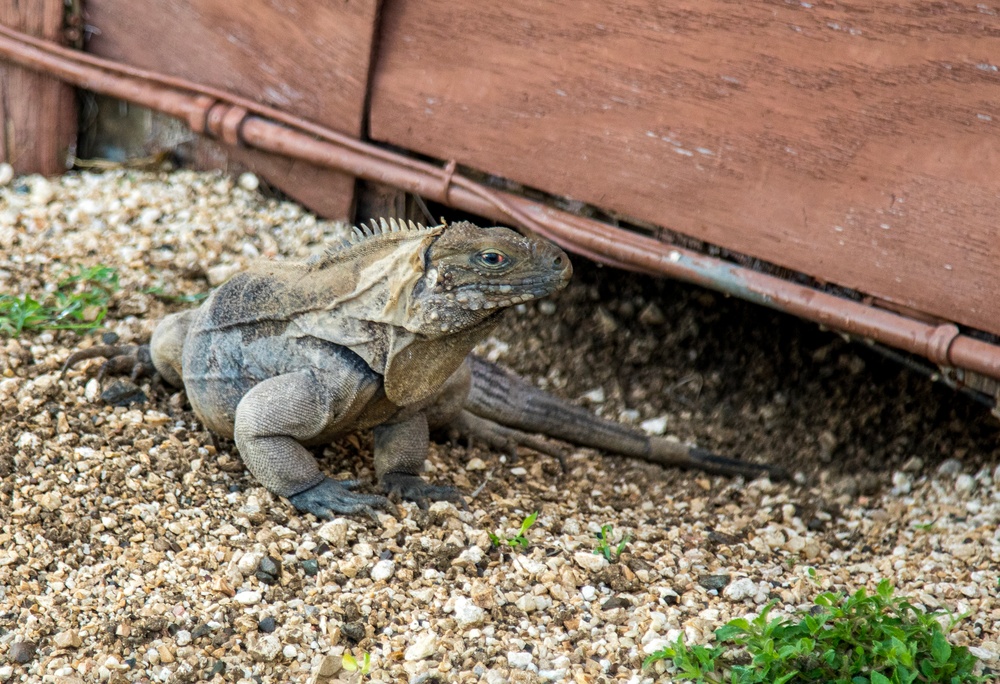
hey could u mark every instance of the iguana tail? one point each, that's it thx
(516, 408)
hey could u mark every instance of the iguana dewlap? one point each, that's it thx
(375, 335)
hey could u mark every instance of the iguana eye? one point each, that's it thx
(492, 258)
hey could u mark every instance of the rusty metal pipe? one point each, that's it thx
(237, 120)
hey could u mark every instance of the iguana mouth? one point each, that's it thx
(476, 296)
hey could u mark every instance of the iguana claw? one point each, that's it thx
(412, 488)
(330, 497)
(132, 358)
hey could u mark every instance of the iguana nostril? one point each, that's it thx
(557, 262)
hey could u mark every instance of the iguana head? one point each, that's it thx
(471, 273)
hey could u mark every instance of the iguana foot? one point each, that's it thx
(330, 497)
(134, 359)
(412, 488)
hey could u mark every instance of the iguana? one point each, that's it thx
(375, 334)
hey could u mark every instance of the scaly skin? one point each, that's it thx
(376, 335)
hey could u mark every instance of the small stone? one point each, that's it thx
(475, 463)
(383, 570)
(289, 652)
(519, 659)
(547, 307)
(221, 273)
(616, 602)
(266, 648)
(652, 315)
(713, 581)
(952, 466)
(124, 393)
(654, 426)
(267, 625)
(334, 532)
(68, 639)
(588, 592)
(310, 567)
(183, 637)
(590, 561)
(6, 174)
(166, 655)
(741, 589)
(22, 652)
(595, 396)
(965, 484)
(914, 464)
(41, 192)
(268, 570)
(468, 613)
(424, 647)
(329, 666)
(248, 181)
(217, 669)
(355, 631)
(248, 598)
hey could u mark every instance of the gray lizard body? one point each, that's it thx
(376, 335)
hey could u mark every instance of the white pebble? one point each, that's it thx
(289, 652)
(965, 483)
(248, 598)
(588, 560)
(741, 589)
(468, 613)
(654, 426)
(183, 637)
(249, 181)
(519, 659)
(588, 592)
(383, 570)
(424, 647)
(6, 174)
(475, 463)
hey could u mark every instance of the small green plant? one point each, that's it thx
(604, 547)
(351, 664)
(517, 540)
(855, 639)
(79, 302)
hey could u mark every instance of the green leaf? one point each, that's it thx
(940, 648)
(878, 678)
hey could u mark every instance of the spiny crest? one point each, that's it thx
(362, 233)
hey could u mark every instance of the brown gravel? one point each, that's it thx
(134, 547)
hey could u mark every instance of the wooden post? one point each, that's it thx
(37, 113)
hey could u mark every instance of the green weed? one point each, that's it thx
(517, 540)
(855, 639)
(79, 302)
(604, 547)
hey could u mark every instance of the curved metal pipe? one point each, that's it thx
(238, 120)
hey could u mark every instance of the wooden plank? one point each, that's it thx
(37, 113)
(300, 56)
(857, 142)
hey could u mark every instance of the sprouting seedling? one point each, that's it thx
(519, 539)
(351, 663)
(604, 547)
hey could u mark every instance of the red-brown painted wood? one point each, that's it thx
(37, 113)
(857, 142)
(310, 58)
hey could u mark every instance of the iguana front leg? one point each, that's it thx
(400, 450)
(272, 421)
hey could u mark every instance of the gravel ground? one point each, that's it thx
(134, 547)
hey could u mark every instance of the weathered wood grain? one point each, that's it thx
(37, 113)
(310, 58)
(857, 142)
